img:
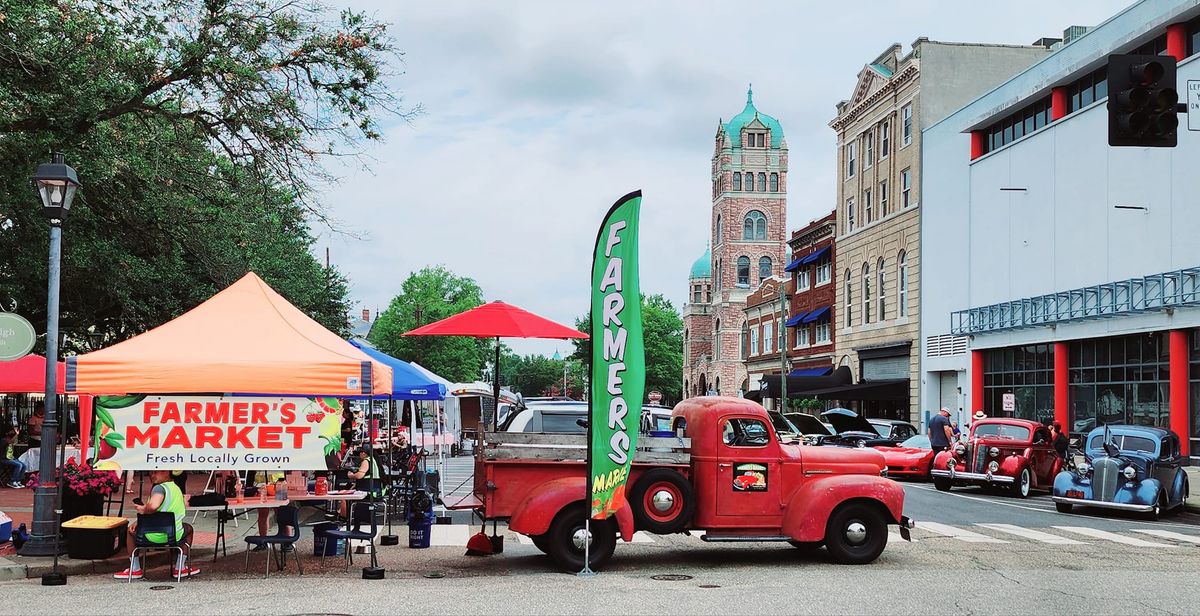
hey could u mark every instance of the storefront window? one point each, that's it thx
(1194, 388)
(1025, 372)
(1121, 380)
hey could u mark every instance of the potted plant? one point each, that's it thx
(84, 489)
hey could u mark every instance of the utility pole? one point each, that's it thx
(783, 362)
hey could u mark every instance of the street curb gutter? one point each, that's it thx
(10, 570)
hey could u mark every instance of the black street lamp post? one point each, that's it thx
(56, 183)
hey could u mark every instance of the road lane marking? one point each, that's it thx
(986, 500)
(1115, 538)
(1028, 533)
(1166, 534)
(961, 534)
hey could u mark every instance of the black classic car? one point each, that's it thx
(1129, 468)
(853, 430)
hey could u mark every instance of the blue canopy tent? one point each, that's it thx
(408, 383)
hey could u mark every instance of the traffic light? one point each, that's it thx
(1142, 101)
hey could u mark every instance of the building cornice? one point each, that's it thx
(909, 73)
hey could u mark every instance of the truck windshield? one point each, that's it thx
(1016, 433)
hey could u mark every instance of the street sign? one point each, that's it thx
(1009, 402)
(1193, 104)
(16, 336)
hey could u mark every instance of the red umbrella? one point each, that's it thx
(497, 320)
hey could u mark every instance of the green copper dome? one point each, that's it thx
(702, 268)
(734, 127)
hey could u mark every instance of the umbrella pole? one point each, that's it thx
(496, 389)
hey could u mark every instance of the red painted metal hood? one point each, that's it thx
(841, 460)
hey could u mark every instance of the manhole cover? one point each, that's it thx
(671, 577)
(710, 586)
(434, 575)
(164, 587)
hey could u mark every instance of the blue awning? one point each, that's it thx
(816, 256)
(811, 371)
(794, 321)
(816, 315)
(794, 265)
(408, 383)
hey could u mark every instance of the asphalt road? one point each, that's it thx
(973, 553)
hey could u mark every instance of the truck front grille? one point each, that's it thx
(1106, 474)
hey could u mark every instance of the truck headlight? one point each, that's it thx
(1084, 468)
(993, 466)
(960, 449)
(1130, 473)
(994, 451)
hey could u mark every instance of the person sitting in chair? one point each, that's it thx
(165, 497)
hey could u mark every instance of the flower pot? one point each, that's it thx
(74, 505)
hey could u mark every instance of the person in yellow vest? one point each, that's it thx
(165, 497)
(367, 478)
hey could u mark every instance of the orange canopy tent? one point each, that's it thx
(246, 339)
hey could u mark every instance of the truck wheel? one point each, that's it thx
(856, 534)
(1064, 507)
(663, 502)
(1020, 487)
(564, 540)
(542, 543)
(941, 483)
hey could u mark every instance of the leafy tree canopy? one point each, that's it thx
(662, 329)
(429, 295)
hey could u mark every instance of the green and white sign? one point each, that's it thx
(618, 356)
(16, 336)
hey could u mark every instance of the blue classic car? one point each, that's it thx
(1130, 468)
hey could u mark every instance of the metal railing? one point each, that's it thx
(1156, 292)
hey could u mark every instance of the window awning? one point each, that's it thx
(890, 390)
(811, 371)
(816, 256)
(794, 265)
(815, 315)
(794, 321)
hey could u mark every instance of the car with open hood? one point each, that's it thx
(854, 430)
(1001, 452)
(1127, 468)
(912, 458)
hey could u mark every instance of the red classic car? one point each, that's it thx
(1015, 453)
(912, 458)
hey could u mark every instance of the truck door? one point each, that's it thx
(749, 480)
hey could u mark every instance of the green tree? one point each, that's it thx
(435, 293)
(196, 127)
(662, 329)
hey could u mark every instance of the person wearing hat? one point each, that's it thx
(979, 415)
(940, 432)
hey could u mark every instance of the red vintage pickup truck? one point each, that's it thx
(728, 474)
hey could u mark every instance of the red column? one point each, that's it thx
(1179, 387)
(1058, 103)
(1062, 398)
(1177, 42)
(976, 382)
(977, 137)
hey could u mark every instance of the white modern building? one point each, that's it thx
(1062, 276)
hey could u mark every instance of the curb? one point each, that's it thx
(10, 570)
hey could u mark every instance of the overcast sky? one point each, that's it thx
(538, 115)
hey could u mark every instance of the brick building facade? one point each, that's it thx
(813, 284)
(749, 229)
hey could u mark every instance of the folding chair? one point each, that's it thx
(284, 516)
(158, 522)
(360, 514)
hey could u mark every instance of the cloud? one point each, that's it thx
(540, 114)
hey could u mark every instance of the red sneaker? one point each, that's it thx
(136, 574)
(187, 571)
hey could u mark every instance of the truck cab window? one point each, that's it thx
(742, 432)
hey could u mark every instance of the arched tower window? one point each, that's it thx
(755, 226)
(717, 340)
(745, 339)
(774, 182)
(717, 239)
(762, 182)
(743, 270)
(737, 180)
(750, 181)
(764, 268)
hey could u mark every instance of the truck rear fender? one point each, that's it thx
(810, 506)
(533, 516)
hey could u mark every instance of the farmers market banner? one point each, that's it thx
(138, 433)
(618, 356)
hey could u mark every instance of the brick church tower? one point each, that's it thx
(748, 243)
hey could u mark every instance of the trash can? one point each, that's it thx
(420, 520)
(323, 545)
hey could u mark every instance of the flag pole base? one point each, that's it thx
(54, 578)
(587, 572)
(389, 540)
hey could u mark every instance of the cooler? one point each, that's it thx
(95, 537)
(5, 527)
